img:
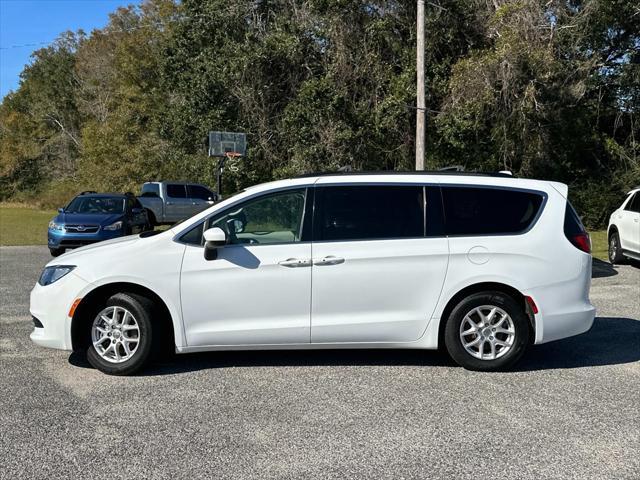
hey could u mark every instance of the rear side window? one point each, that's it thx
(489, 211)
(633, 205)
(572, 223)
(177, 191)
(574, 229)
(150, 190)
(201, 193)
(369, 212)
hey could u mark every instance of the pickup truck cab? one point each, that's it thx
(170, 202)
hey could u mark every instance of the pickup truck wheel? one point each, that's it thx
(56, 252)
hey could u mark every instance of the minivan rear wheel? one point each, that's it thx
(487, 331)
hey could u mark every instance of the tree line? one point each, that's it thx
(545, 88)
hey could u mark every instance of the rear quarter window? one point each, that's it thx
(489, 211)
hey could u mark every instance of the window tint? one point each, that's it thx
(486, 211)
(634, 204)
(150, 190)
(193, 236)
(201, 193)
(369, 212)
(572, 223)
(176, 191)
(270, 219)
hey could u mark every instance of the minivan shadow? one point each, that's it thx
(611, 341)
(601, 269)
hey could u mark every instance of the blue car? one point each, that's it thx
(92, 217)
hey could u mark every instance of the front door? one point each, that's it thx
(629, 224)
(201, 198)
(258, 290)
(377, 276)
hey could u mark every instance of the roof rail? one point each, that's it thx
(88, 192)
(411, 172)
(452, 168)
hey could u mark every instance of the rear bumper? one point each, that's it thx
(564, 307)
(50, 305)
(556, 326)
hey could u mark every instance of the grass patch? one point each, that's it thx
(23, 225)
(599, 244)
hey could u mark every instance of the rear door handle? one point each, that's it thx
(295, 262)
(329, 260)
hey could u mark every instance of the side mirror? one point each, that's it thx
(60, 210)
(136, 211)
(214, 238)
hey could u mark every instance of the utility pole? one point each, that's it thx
(420, 101)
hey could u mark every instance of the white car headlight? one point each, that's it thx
(56, 226)
(54, 273)
(114, 226)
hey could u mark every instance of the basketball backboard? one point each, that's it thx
(223, 144)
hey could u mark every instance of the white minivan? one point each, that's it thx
(484, 265)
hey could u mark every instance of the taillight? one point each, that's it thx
(581, 241)
(575, 231)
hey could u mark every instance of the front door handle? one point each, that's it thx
(329, 260)
(295, 262)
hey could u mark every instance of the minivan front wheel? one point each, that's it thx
(487, 331)
(120, 335)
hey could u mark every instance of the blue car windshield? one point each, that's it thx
(98, 205)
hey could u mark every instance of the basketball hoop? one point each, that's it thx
(226, 146)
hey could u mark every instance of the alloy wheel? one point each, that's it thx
(115, 334)
(487, 332)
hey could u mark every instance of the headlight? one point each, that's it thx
(114, 226)
(56, 226)
(54, 273)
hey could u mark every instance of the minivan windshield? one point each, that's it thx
(96, 205)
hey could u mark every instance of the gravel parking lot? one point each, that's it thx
(571, 410)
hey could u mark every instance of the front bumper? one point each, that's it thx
(50, 305)
(58, 239)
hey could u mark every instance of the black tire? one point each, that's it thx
(56, 252)
(152, 218)
(141, 308)
(614, 250)
(520, 340)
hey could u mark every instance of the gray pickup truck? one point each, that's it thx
(170, 202)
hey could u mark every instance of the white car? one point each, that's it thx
(624, 229)
(483, 264)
